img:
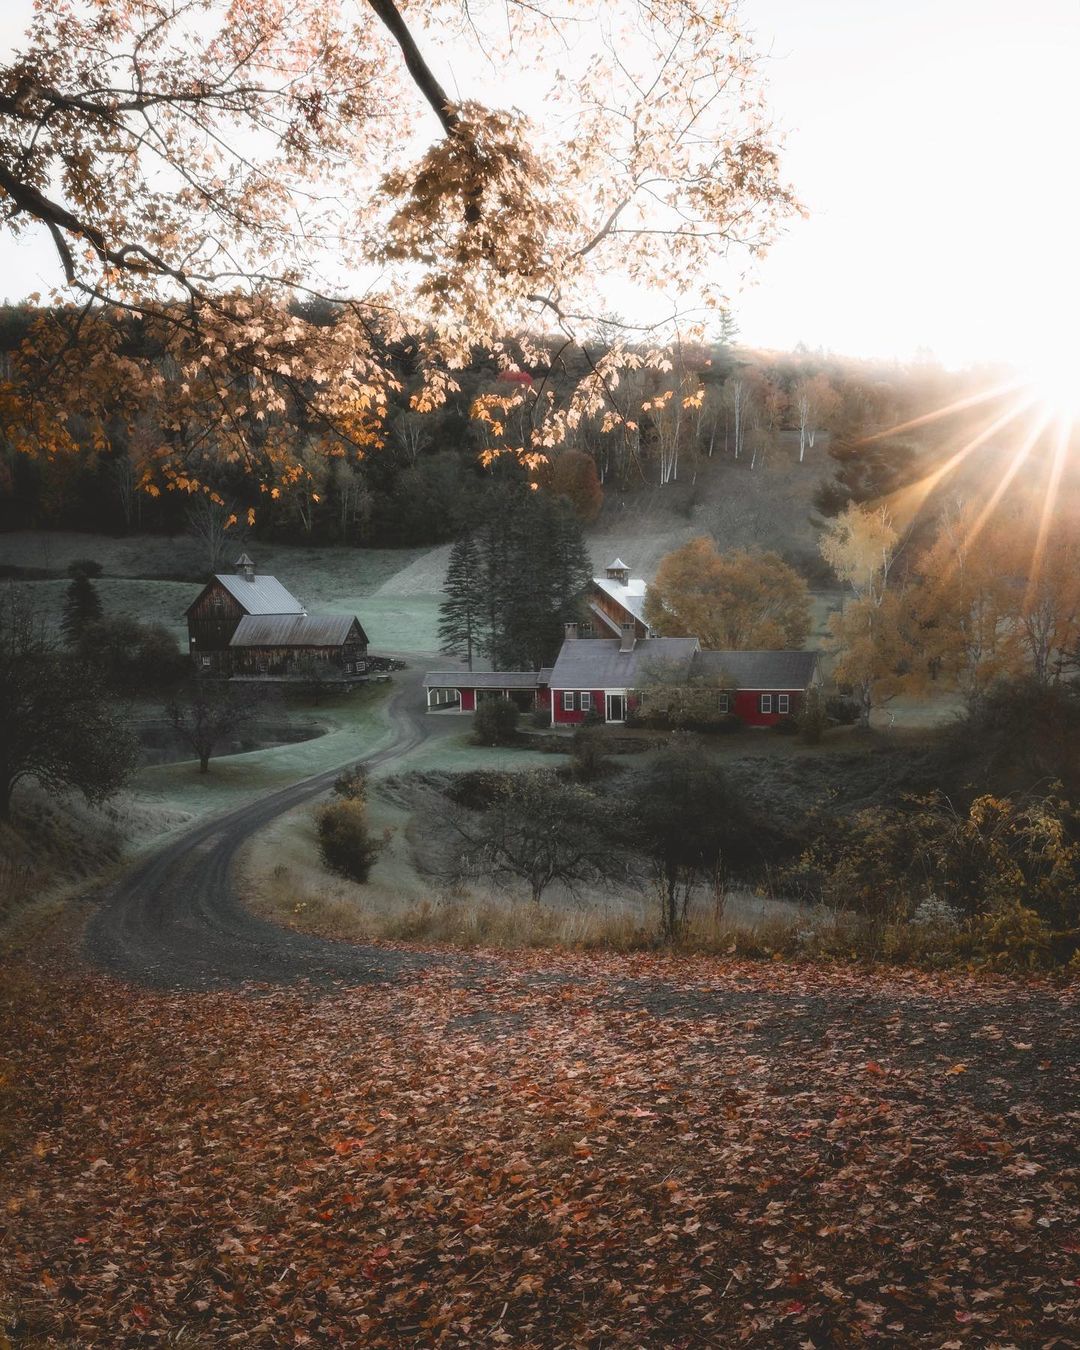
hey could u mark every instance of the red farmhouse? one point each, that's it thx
(610, 661)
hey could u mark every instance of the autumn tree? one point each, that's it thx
(965, 602)
(198, 168)
(734, 600)
(1045, 566)
(871, 638)
(769, 407)
(738, 399)
(58, 727)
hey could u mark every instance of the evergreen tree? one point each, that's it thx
(462, 609)
(536, 568)
(81, 606)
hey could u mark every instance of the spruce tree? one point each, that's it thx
(535, 568)
(81, 606)
(462, 609)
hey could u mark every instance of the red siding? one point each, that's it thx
(564, 718)
(748, 706)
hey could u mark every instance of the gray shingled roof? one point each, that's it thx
(294, 630)
(597, 663)
(481, 679)
(758, 670)
(261, 595)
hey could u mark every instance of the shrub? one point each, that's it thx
(813, 718)
(477, 788)
(345, 843)
(1012, 937)
(842, 710)
(84, 567)
(587, 758)
(1011, 869)
(352, 784)
(496, 722)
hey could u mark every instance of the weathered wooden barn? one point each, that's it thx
(250, 627)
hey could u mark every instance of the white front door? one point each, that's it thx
(616, 707)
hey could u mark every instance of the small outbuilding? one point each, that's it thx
(460, 691)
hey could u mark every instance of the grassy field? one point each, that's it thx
(356, 725)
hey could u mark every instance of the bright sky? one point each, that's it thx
(935, 145)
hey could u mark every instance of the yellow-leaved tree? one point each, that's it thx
(871, 638)
(252, 205)
(731, 601)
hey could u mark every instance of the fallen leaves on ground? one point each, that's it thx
(546, 1151)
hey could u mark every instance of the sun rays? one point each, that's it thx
(1024, 424)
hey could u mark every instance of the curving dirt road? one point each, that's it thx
(175, 920)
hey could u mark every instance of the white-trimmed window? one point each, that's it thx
(568, 700)
(723, 702)
(205, 661)
(586, 702)
(766, 703)
(783, 703)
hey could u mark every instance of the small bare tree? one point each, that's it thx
(209, 714)
(214, 524)
(539, 830)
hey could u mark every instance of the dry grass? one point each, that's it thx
(459, 919)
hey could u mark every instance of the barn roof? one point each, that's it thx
(481, 679)
(758, 670)
(597, 663)
(631, 595)
(294, 630)
(260, 595)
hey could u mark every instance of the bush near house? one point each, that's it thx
(496, 722)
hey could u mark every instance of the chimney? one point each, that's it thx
(571, 630)
(245, 567)
(626, 642)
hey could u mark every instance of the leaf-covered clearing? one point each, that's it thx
(545, 1152)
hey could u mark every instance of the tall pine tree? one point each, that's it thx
(532, 568)
(462, 610)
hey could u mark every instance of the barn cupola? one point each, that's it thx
(618, 571)
(245, 567)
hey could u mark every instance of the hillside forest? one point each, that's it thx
(119, 462)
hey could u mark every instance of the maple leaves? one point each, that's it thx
(575, 1152)
(205, 167)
